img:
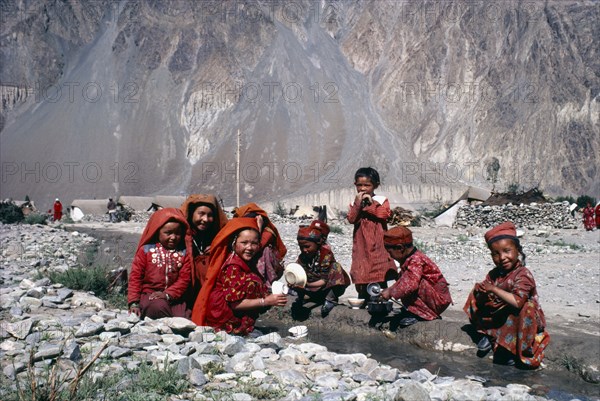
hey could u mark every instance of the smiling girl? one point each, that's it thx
(504, 307)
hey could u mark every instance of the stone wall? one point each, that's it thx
(555, 215)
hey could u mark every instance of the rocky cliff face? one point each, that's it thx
(147, 97)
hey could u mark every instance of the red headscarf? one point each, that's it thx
(220, 249)
(220, 219)
(501, 231)
(159, 219)
(309, 234)
(398, 236)
(321, 226)
(254, 208)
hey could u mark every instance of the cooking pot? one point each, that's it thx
(379, 308)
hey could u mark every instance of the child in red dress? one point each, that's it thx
(369, 213)
(326, 279)
(505, 308)
(161, 270)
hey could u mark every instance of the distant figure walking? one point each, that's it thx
(57, 210)
(112, 210)
(588, 217)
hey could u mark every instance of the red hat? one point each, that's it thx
(501, 231)
(309, 234)
(398, 236)
(321, 226)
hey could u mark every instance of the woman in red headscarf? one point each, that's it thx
(160, 272)
(505, 308)
(234, 293)
(269, 261)
(326, 278)
(205, 218)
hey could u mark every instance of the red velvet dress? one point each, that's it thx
(236, 282)
(522, 330)
(422, 287)
(371, 263)
(57, 211)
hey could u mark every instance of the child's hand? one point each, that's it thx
(358, 198)
(157, 295)
(385, 294)
(276, 300)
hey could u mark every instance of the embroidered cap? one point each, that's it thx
(397, 236)
(309, 234)
(501, 231)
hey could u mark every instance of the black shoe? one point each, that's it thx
(407, 321)
(484, 344)
(326, 308)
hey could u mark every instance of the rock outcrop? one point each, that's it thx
(145, 97)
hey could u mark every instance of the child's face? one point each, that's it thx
(247, 245)
(308, 248)
(170, 235)
(364, 184)
(203, 218)
(504, 254)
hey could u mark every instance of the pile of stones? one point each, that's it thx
(546, 215)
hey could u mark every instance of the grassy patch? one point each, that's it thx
(280, 209)
(462, 238)
(213, 368)
(93, 278)
(35, 218)
(336, 229)
(573, 246)
(421, 246)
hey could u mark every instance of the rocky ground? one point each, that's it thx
(58, 324)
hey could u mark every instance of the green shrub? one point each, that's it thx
(583, 200)
(10, 213)
(336, 229)
(84, 279)
(35, 218)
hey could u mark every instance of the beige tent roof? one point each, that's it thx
(91, 206)
(168, 201)
(136, 202)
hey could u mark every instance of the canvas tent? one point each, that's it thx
(81, 207)
(137, 203)
(472, 194)
(162, 201)
(323, 212)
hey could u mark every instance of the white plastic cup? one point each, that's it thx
(279, 288)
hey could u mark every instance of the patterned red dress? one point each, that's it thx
(422, 287)
(235, 282)
(370, 261)
(325, 267)
(522, 330)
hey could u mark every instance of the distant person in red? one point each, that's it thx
(421, 287)
(598, 216)
(57, 210)
(161, 269)
(504, 308)
(588, 217)
(369, 213)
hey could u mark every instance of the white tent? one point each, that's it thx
(447, 217)
(162, 201)
(81, 207)
(138, 203)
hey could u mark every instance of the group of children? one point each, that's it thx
(193, 262)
